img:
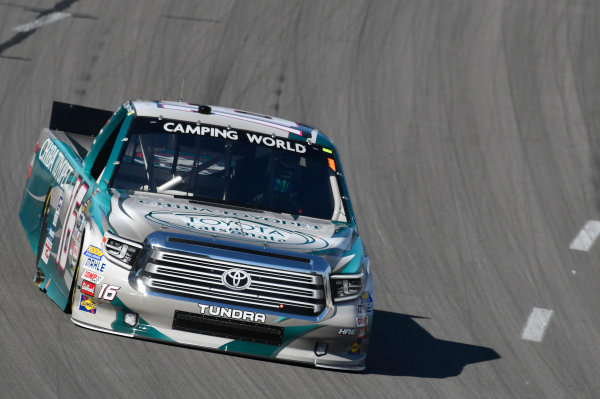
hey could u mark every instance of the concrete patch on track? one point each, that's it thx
(44, 17)
(41, 21)
(586, 237)
(536, 325)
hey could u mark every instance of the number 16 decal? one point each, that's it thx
(79, 192)
(108, 292)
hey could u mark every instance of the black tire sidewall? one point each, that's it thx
(43, 228)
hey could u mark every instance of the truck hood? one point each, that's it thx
(136, 216)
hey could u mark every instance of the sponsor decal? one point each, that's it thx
(86, 205)
(108, 292)
(254, 138)
(79, 191)
(57, 213)
(228, 214)
(236, 228)
(88, 288)
(199, 130)
(277, 143)
(362, 332)
(72, 247)
(232, 313)
(48, 245)
(355, 347)
(87, 304)
(94, 253)
(362, 321)
(92, 277)
(76, 240)
(51, 157)
(46, 250)
(363, 309)
(366, 304)
(347, 331)
(360, 309)
(94, 265)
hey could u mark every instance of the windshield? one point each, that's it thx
(240, 168)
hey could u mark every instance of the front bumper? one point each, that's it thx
(343, 330)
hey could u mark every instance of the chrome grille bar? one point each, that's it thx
(200, 277)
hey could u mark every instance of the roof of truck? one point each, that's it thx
(235, 118)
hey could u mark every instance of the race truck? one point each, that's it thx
(202, 226)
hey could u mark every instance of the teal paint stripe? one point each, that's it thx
(99, 209)
(143, 328)
(354, 265)
(292, 333)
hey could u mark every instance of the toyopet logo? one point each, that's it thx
(232, 313)
(236, 279)
(236, 227)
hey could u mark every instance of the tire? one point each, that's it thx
(43, 228)
(39, 275)
(69, 308)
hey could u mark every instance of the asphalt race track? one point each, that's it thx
(470, 136)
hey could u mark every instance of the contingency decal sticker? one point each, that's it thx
(94, 252)
(48, 245)
(87, 304)
(355, 348)
(92, 277)
(57, 212)
(88, 288)
(94, 260)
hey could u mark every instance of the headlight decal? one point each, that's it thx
(354, 264)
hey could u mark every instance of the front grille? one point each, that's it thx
(224, 328)
(199, 277)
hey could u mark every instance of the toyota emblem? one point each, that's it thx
(236, 279)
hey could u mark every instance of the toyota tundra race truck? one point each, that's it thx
(202, 226)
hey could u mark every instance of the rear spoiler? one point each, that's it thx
(78, 119)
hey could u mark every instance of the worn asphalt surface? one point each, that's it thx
(470, 137)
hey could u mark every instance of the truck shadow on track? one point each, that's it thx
(401, 347)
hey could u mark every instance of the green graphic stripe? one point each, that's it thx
(143, 328)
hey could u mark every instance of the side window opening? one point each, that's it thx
(104, 154)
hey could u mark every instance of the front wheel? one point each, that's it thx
(43, 228)
(69, 308)
(39, 274)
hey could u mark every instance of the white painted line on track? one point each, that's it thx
(536, 324)
(41, 21)
(586, 237)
